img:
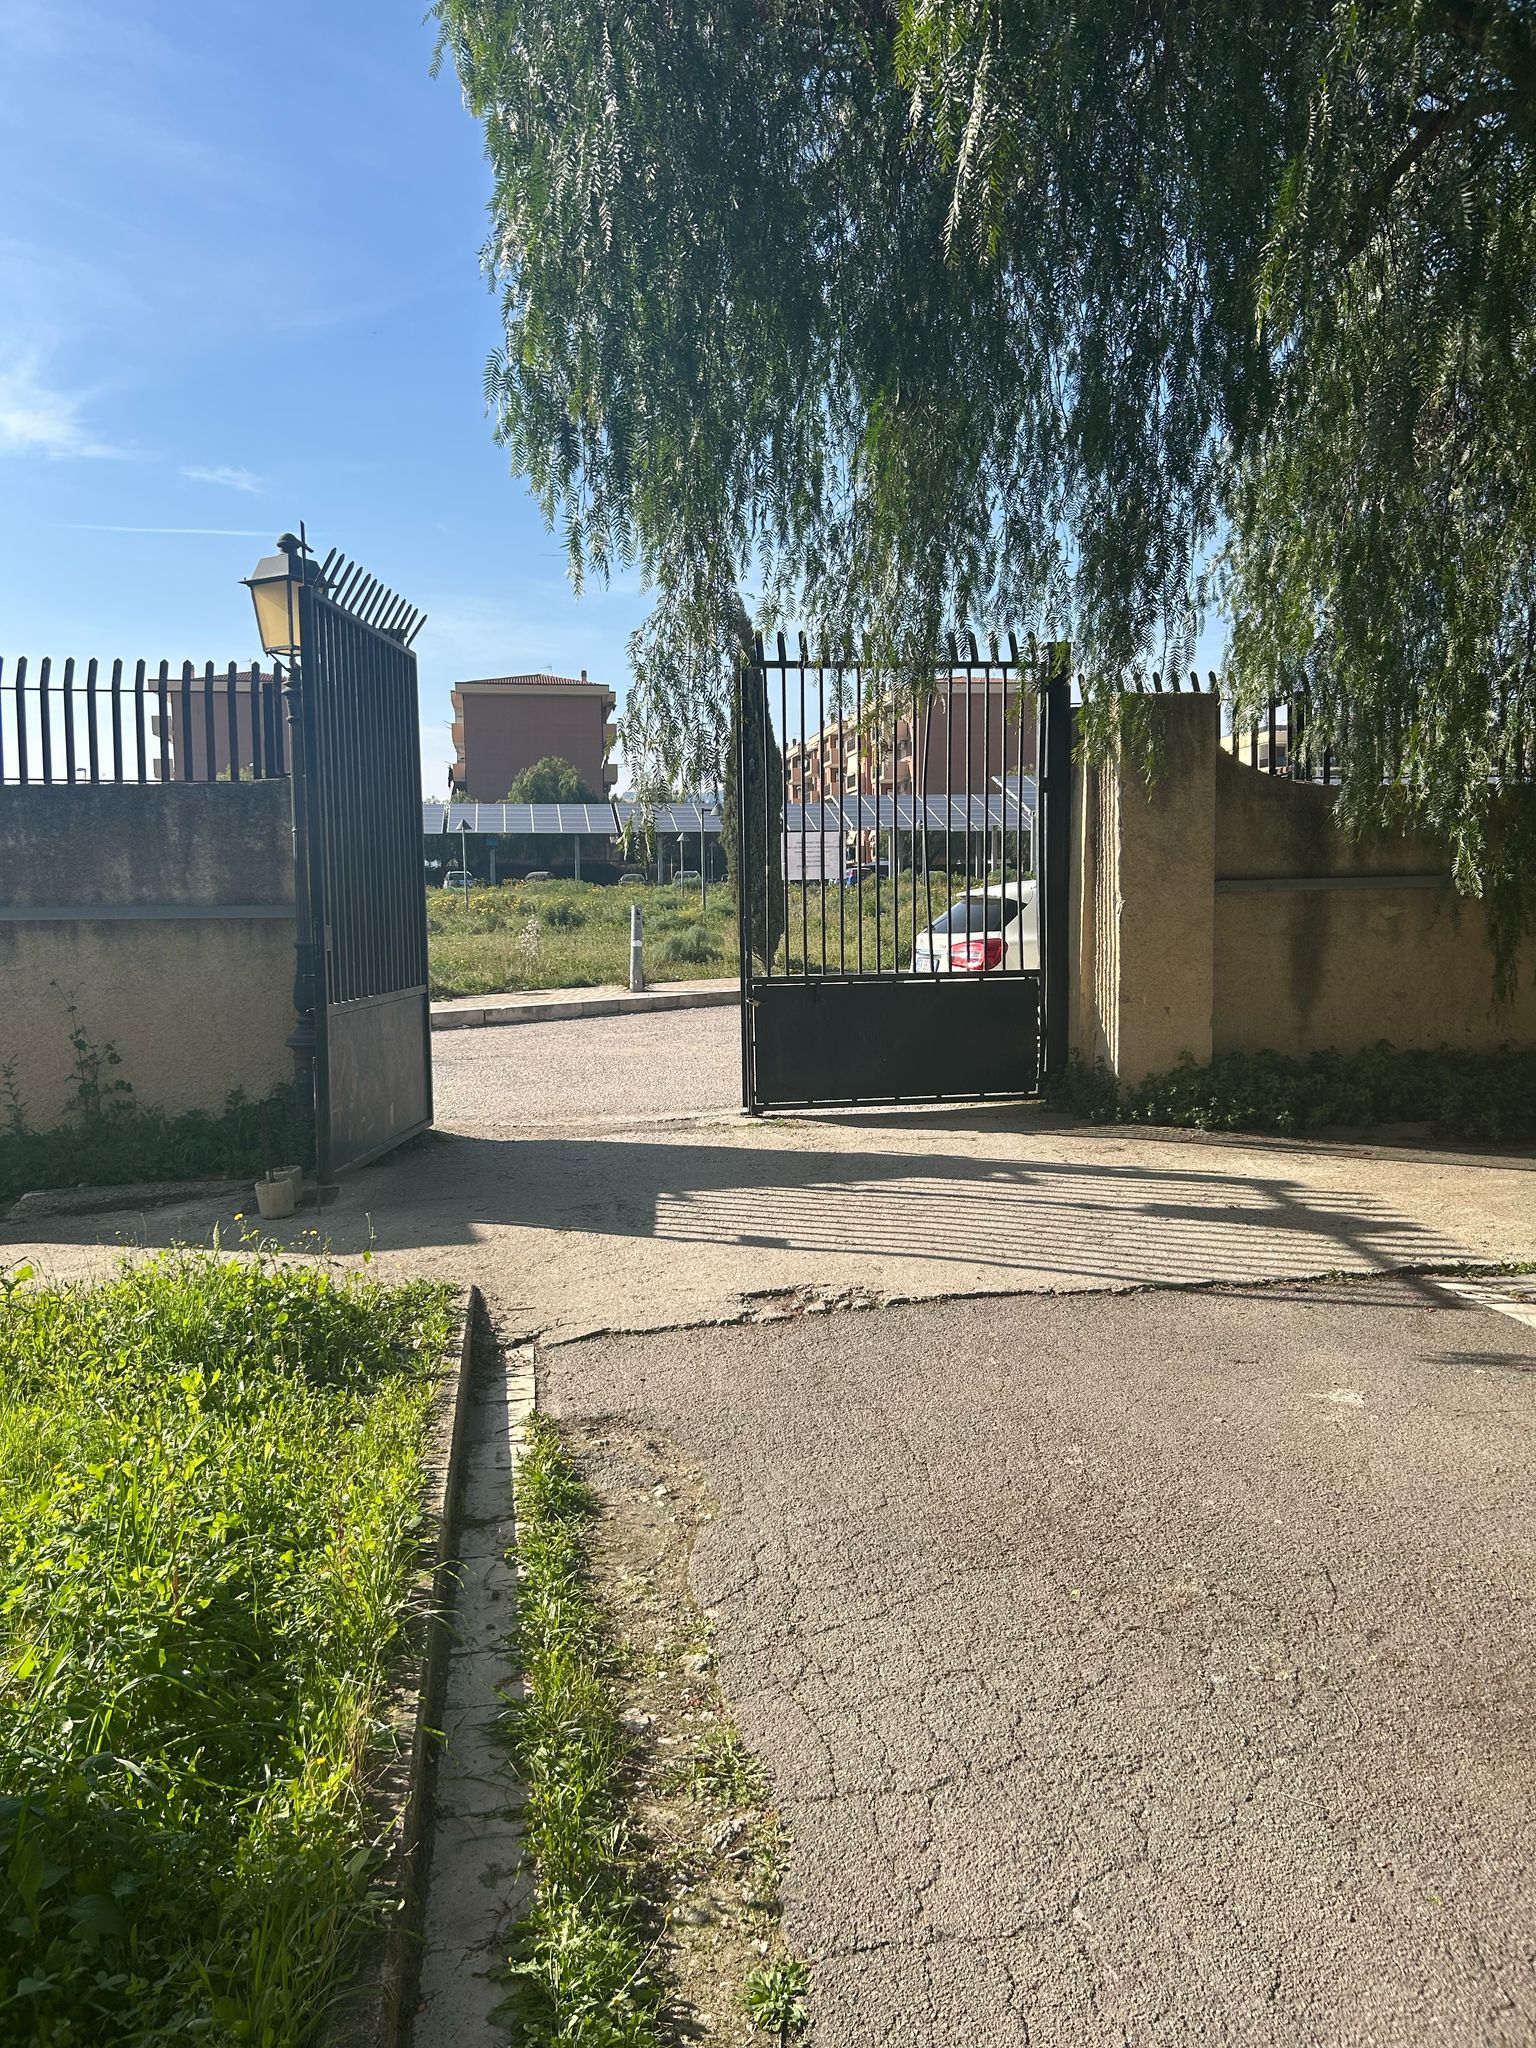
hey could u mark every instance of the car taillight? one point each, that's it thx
(971, 955)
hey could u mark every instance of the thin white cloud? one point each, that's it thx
(224, 474)
(37, 418)
(215, 532)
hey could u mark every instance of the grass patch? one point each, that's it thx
(1490, 1097)
(581, 1961)
(210, 1488)
(567, 934)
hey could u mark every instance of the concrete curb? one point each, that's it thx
(479, 1880)
(376, 2007)
(472, 1012)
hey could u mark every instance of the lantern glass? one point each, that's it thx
(274, 587)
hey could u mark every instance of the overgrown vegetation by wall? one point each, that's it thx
(109, 1138)
(210, 1497)
(1487, 1097)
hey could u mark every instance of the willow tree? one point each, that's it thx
(905, 313)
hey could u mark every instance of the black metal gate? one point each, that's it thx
(902, 868)
(362, 901)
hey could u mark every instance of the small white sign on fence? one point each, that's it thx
(813, 856)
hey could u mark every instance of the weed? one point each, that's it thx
(724, 1771)
(563, 917)
(530, 941)
(692, 943)
(98, 1092)
(580, 1965)
(11, 1098)
(210, 1484)
(766, 1875)
(774, 1995)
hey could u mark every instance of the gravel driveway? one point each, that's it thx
(504, 1077)
(1147, 1669)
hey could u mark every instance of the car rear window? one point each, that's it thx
(978, 914)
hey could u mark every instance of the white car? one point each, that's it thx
(987, 930)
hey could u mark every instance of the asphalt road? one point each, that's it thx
(504, 1077)
(1137, 1669)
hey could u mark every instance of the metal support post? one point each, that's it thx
(1056, 853)
(636, 951)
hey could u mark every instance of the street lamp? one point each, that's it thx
(274, 585)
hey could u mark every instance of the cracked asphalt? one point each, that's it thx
(1130, 1669)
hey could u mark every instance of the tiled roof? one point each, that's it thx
(540, 681)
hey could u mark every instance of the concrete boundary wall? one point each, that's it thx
(165, 912)
(1225, 910)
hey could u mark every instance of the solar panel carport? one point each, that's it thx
(566, 822)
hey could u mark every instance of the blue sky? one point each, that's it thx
(240, 286)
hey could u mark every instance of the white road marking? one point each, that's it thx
(1492, 1294)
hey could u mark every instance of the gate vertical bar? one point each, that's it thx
(306, 1041)
(1055, 831)
(751, 701)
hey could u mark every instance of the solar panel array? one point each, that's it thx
(533, 820)
(680, 817)
(902, 813)
(906, 814)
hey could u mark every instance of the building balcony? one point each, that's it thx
(610, 775)
(610, 734)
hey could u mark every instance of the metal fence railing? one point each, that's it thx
(119, 722)
(1279, 740)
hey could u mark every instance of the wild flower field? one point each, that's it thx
(210, 1487)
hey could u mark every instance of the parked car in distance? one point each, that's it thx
(631, 875)
(985, 931)
(537, 875)
(865, 871)
(458, 878)
(687, 878)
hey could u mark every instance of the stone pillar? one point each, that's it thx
(1144, 858)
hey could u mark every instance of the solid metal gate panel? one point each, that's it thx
(362, 795)
(901, 850)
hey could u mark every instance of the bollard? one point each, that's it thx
(636, 951)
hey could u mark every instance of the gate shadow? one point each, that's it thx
(1083, 1220)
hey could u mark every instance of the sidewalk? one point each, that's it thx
(545, 1006)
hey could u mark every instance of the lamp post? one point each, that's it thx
(277, 585)
(464, 857)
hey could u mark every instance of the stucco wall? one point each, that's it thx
(1226, 910)
(166, 913)
(1326, 940)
